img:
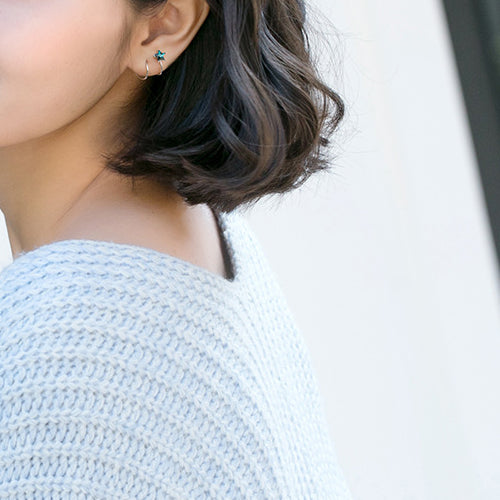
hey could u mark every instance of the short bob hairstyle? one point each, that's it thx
(240, 114)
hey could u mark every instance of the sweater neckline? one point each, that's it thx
(161, 261)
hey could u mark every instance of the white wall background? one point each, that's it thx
(389, 266)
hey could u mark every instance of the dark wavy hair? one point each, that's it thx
(240, 114)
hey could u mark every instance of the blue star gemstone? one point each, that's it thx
(159, 55)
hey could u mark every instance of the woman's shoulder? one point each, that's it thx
(74, 281)
(122, 357)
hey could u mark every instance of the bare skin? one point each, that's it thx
(64, 79)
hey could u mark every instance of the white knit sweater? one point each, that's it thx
(129, 373)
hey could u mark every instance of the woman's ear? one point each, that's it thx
(170, 29)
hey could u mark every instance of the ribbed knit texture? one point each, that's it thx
(129, 373)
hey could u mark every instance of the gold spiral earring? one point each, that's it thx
(159, 56)
(147, 72)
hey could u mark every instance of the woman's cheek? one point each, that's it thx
(60, 83)
(54, 64)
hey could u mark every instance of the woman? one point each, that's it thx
(147, 349)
